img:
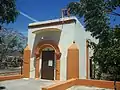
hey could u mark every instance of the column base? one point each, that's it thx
(26, 78)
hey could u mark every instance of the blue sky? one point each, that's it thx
(41, 10)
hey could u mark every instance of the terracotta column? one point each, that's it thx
(73, 62)
(58, 55)
(57, 69)
(37, 66)
(26, 63)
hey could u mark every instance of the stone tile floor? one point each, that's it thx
(86, 88)
(32, 84)
(22, 84)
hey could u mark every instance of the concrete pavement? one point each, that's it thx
(22, 84)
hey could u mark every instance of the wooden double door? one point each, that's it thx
(48, 64)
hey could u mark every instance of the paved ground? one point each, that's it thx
(86, 88)
(22, 84)
(32, 84)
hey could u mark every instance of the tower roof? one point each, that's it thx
(65, 20)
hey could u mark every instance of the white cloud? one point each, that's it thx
(28, 17)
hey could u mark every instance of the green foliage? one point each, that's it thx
(94, 15)
(112, 4)
(76, 8)
(106, 54)
(107, 57)
(8, 12)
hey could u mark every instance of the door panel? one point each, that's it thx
(47, 70)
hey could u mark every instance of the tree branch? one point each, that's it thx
(116, 14)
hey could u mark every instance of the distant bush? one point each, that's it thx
(12, 44)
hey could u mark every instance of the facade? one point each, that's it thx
(49, 42)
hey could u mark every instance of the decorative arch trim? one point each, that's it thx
(47, 43)
(38, 50)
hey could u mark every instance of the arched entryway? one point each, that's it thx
(56, 51)
(48, 63)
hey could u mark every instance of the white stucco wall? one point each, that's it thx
(66, 39)
(69, 33)
(31, 38)
(81, 42)
(34, 39)
(80, 38)
(88, 36)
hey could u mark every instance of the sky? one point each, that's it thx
(38, 9)
(41, 10)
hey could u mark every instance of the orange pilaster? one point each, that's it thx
(73, 62)
(57, 70)
(37, 67)
(26, 63)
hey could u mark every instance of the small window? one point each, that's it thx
(50, 63)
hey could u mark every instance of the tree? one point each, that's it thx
(78, 8)
(98, 15)
(112, 5)
(108, 58)
(106, 52)
(10, 42)
(8, 11)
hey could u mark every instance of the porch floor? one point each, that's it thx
(32, 84)
(22, 84)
